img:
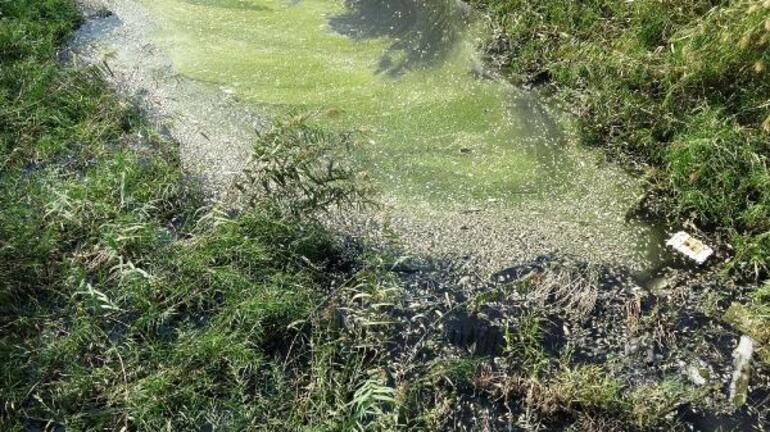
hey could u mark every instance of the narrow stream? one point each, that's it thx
(465, 160)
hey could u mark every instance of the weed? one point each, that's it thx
(588, 388)
(296, 170)
(525, 343)
(651, 404)
(574, 291)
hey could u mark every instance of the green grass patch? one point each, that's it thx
(127, 302)
(680, 85)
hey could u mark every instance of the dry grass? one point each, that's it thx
(574, 290)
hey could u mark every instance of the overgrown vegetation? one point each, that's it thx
(295, 170)
(680, 85)
(677, 88)
(129, 303)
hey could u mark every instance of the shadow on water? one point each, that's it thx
(424, 30)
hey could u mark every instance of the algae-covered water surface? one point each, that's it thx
(405, 71)
(463, 158)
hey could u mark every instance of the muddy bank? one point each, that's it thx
(662, 355)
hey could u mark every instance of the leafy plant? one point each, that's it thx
(370, 404)
(296, 170)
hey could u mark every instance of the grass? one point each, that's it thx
(129, 303)
(588, 398)
(681, 86)
(525, 343)
(677, 89)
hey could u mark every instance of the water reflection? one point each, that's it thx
(424, 31)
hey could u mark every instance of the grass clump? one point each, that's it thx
(588, 388)
(524, 343)
(649, 404)
(681, 86)
(589, 397)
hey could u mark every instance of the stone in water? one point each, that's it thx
(691, 247)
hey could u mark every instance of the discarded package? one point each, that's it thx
(691, 247)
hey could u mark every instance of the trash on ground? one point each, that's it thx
(742, 373)
(691, 247)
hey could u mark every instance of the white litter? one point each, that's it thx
(691, 247)
(696, 376)
(742, 373)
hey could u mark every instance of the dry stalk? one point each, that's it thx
(573, 291)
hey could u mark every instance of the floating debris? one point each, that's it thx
(742, 373)
(691, 247)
